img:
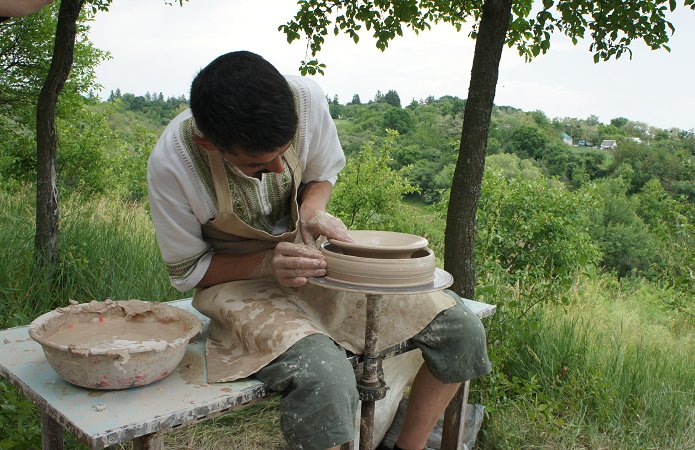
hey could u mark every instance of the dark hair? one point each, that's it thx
(240, 102)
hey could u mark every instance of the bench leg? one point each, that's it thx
(154, 441)
(455, 419)
(51, 433)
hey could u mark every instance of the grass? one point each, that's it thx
(253, 428)
(256, 427)
(107, 249)
(607, 371)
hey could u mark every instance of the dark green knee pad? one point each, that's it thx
(454, 345)
(319, 394)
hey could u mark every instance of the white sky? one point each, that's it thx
(159, 48)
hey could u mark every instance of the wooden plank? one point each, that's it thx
(51, 433)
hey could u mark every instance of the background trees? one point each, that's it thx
(618, 223)
(611, 28)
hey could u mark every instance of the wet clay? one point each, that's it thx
(413, 270)
(102, 334)
(99, 327)
(381, 244)
(114, 344)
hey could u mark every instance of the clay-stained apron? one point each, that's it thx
(254, 321)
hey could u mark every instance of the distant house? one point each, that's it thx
(567, 139)
(636, 139)
(608, 144)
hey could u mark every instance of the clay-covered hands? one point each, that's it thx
(323, 224)
(292, 264)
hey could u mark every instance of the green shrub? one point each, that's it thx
(533, 229)
(368, 192)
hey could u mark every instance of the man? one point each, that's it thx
(238, 187)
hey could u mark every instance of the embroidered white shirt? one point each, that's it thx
(180, 196)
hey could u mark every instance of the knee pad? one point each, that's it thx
(454, 345)
(319, 393)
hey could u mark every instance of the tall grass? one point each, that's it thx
(107, 249)
(607, 371)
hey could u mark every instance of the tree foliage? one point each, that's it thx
(534, 229)
(26, 46)
(610, 26)
(369, 192)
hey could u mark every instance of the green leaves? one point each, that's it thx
(369, 193)
(311, 67)
(611, 26)
(534, 229)
(18, 420)
(385, 19)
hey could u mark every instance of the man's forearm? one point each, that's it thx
(315, 196)
(226, 267)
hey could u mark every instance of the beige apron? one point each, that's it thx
(254, 321)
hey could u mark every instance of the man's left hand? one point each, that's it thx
(323, 224)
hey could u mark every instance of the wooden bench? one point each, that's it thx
(101, 419)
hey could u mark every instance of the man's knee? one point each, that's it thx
(319, 393)
(454, 345)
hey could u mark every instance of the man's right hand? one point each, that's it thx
(291, 264)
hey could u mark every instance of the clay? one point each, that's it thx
(116, 334)
(114, 344)
(381, 244)
(418, 269)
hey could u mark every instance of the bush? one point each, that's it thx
(369, 192)
(648, 234)
(535, 230)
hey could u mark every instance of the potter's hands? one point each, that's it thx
(323, 224)
(291, 264)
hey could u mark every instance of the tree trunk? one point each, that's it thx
(45, 249)
(459, 255)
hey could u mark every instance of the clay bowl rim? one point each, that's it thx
(354, 258)
(418, 243)
(36, 325)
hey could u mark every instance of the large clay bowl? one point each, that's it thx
(381, 244)
(115, 344)
(402, 272)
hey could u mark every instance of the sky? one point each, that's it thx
(160, 48)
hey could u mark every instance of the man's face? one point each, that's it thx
(254, 165)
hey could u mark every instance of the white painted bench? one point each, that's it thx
(103, 418)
